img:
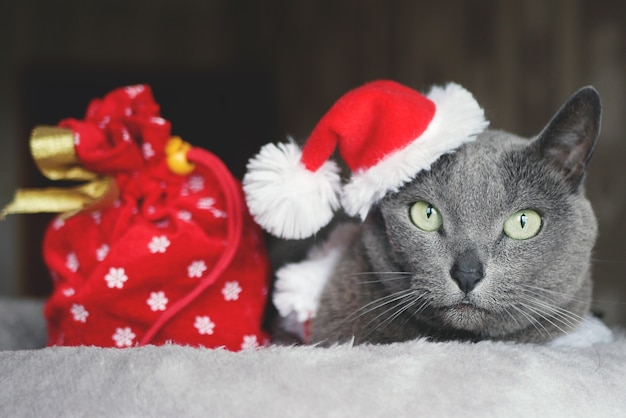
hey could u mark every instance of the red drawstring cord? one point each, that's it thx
(234, 208)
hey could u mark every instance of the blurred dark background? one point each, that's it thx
(232, 75)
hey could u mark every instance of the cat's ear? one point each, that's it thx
(568, 140)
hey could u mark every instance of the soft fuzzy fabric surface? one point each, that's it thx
(417, 378)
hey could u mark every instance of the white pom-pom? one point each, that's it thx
(285, 198)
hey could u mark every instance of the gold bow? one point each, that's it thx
(54, 153)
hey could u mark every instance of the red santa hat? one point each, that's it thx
(385, 132)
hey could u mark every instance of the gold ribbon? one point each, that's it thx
(54, 153)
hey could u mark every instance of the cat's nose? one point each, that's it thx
(467, 271)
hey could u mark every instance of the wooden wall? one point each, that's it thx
(522, 59)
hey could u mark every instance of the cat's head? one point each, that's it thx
(498, 236)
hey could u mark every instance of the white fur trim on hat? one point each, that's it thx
(299, 285)
(458, 119)
(284, 197)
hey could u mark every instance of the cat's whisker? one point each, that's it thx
(401, 308)
(379, 303)
(405, 300)
(534, 298)
(568, 296)
(376, 304)
(551, 291)
(533, 321)
(421, 307)
(561, 315)
(600, 260)
(383, 280)
(594, 302)
(543, 316)
(512, 317)
(419, 312)
(395, 275)
(572, 319)
(365, 273)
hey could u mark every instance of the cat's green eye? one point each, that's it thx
(523, 224)
(425, 216)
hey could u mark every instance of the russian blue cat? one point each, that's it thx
(493, 242)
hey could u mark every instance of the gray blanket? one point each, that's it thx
(417, 378)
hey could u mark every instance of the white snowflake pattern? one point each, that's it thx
(76, 139)
(195, 183)
(147, 150)
(79, 313)
(58, 223)
(157, 301)
(97, 217)
(71, 262)
(207, 203)
(184, 215)
(124, 337)
(102, 252)
(204, 325)
(250, 342)
(231, 290)
(158, 244)
(68, 292)
(133, 91)
(125, 135)
(218, 213)
(116, 277)
(104, 122)
(196, 269)
(158, 121)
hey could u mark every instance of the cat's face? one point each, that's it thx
(497, 236)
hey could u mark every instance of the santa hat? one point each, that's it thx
(385, 132)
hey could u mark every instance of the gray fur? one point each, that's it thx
(395, 282)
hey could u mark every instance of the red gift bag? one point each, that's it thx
(173, 258)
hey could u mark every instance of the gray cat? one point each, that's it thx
(493, 242)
